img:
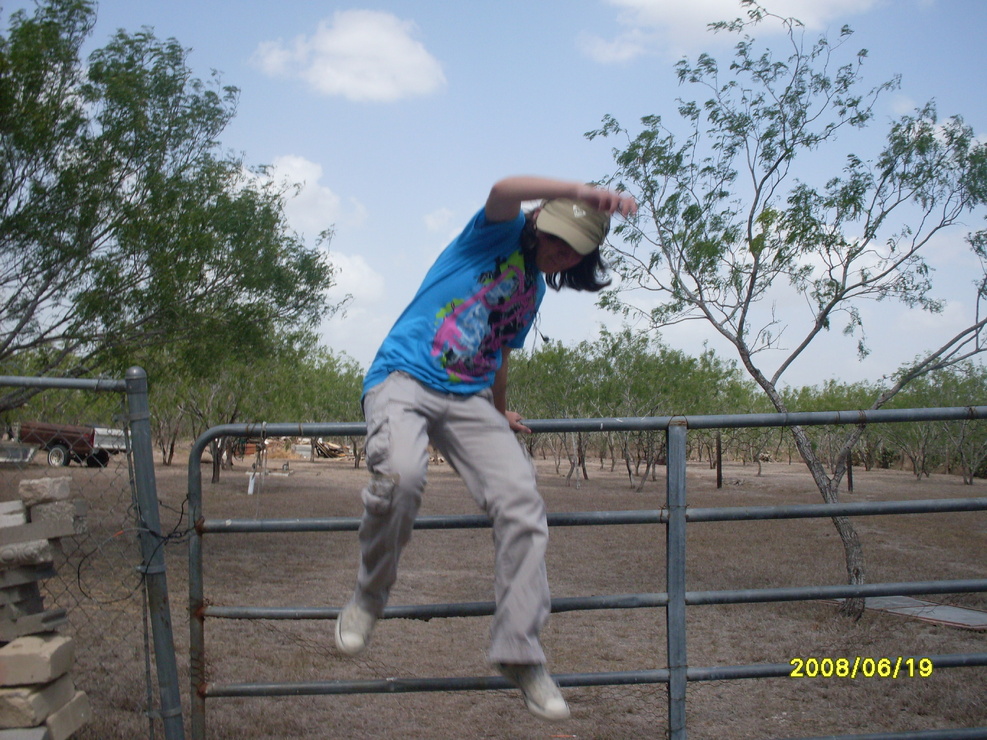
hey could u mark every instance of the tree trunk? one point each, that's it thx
(829, 488)
(627, 464)
(644, 478)
(650, 455)
(217, 459)
(573, 464)
(582, 456)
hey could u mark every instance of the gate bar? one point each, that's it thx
(484, 683)
(617, 601)
(617, 424)
(463, 521)
(596, 518)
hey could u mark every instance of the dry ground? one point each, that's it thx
(451, 566)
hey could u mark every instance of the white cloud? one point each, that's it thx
(357, 278)
(675, 28)
(362, 55)
(310, 206)
(361, 327)
(314, 207)
(903, 105)
(934, 328)
(438, 220)
(623, 48)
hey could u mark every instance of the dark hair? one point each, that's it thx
(589, 275)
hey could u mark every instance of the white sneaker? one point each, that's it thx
(541, 693)
(353, 629)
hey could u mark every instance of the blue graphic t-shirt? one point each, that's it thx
(479, 296)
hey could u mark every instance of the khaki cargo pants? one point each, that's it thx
(402, 417)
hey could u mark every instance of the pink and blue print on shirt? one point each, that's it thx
(471, 332)
(479, 296)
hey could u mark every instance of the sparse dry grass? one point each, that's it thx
(318, 569)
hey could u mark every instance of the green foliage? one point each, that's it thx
(734, 219)
(727, 227)
(627, 374)
(122, 225)
(949, 445)
(727, 230)
(291, 382)
(621, 374)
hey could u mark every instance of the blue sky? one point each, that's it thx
(397, 117)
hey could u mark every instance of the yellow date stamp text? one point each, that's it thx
(860, 667)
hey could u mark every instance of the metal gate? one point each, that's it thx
(674, 516)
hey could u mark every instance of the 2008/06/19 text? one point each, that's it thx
(899, 667)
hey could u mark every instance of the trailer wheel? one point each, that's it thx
(58, 455)
(98, 459)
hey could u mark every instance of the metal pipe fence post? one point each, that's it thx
(152, 554)
(196, 620)
(675, 577)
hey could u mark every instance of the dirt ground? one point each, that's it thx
(456, 566)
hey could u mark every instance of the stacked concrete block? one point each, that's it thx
(38, 699)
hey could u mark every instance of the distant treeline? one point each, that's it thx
(618, 374)
(624, 374)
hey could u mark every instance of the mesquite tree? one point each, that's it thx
(730, 217)
(122, 222)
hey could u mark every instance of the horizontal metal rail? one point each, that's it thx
(615, 424)
(426, 612)
(464, 521)
(816, 593)
(79, 384)
(407, 685)
(597, 518)
(958, 733)
(486, 683)
(846, 508)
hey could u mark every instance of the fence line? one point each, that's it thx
(133, 388)
(675, 515)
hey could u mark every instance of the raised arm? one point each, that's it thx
(507, 195)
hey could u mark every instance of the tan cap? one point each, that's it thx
(581, 226)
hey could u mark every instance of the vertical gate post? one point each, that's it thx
(675, 577)
(196, 596)
(152, 553)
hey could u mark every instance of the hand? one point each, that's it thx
(608, 201)
(514, 419)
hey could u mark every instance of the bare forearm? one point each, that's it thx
(500, 397)
(507, 195)
(529, 187)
